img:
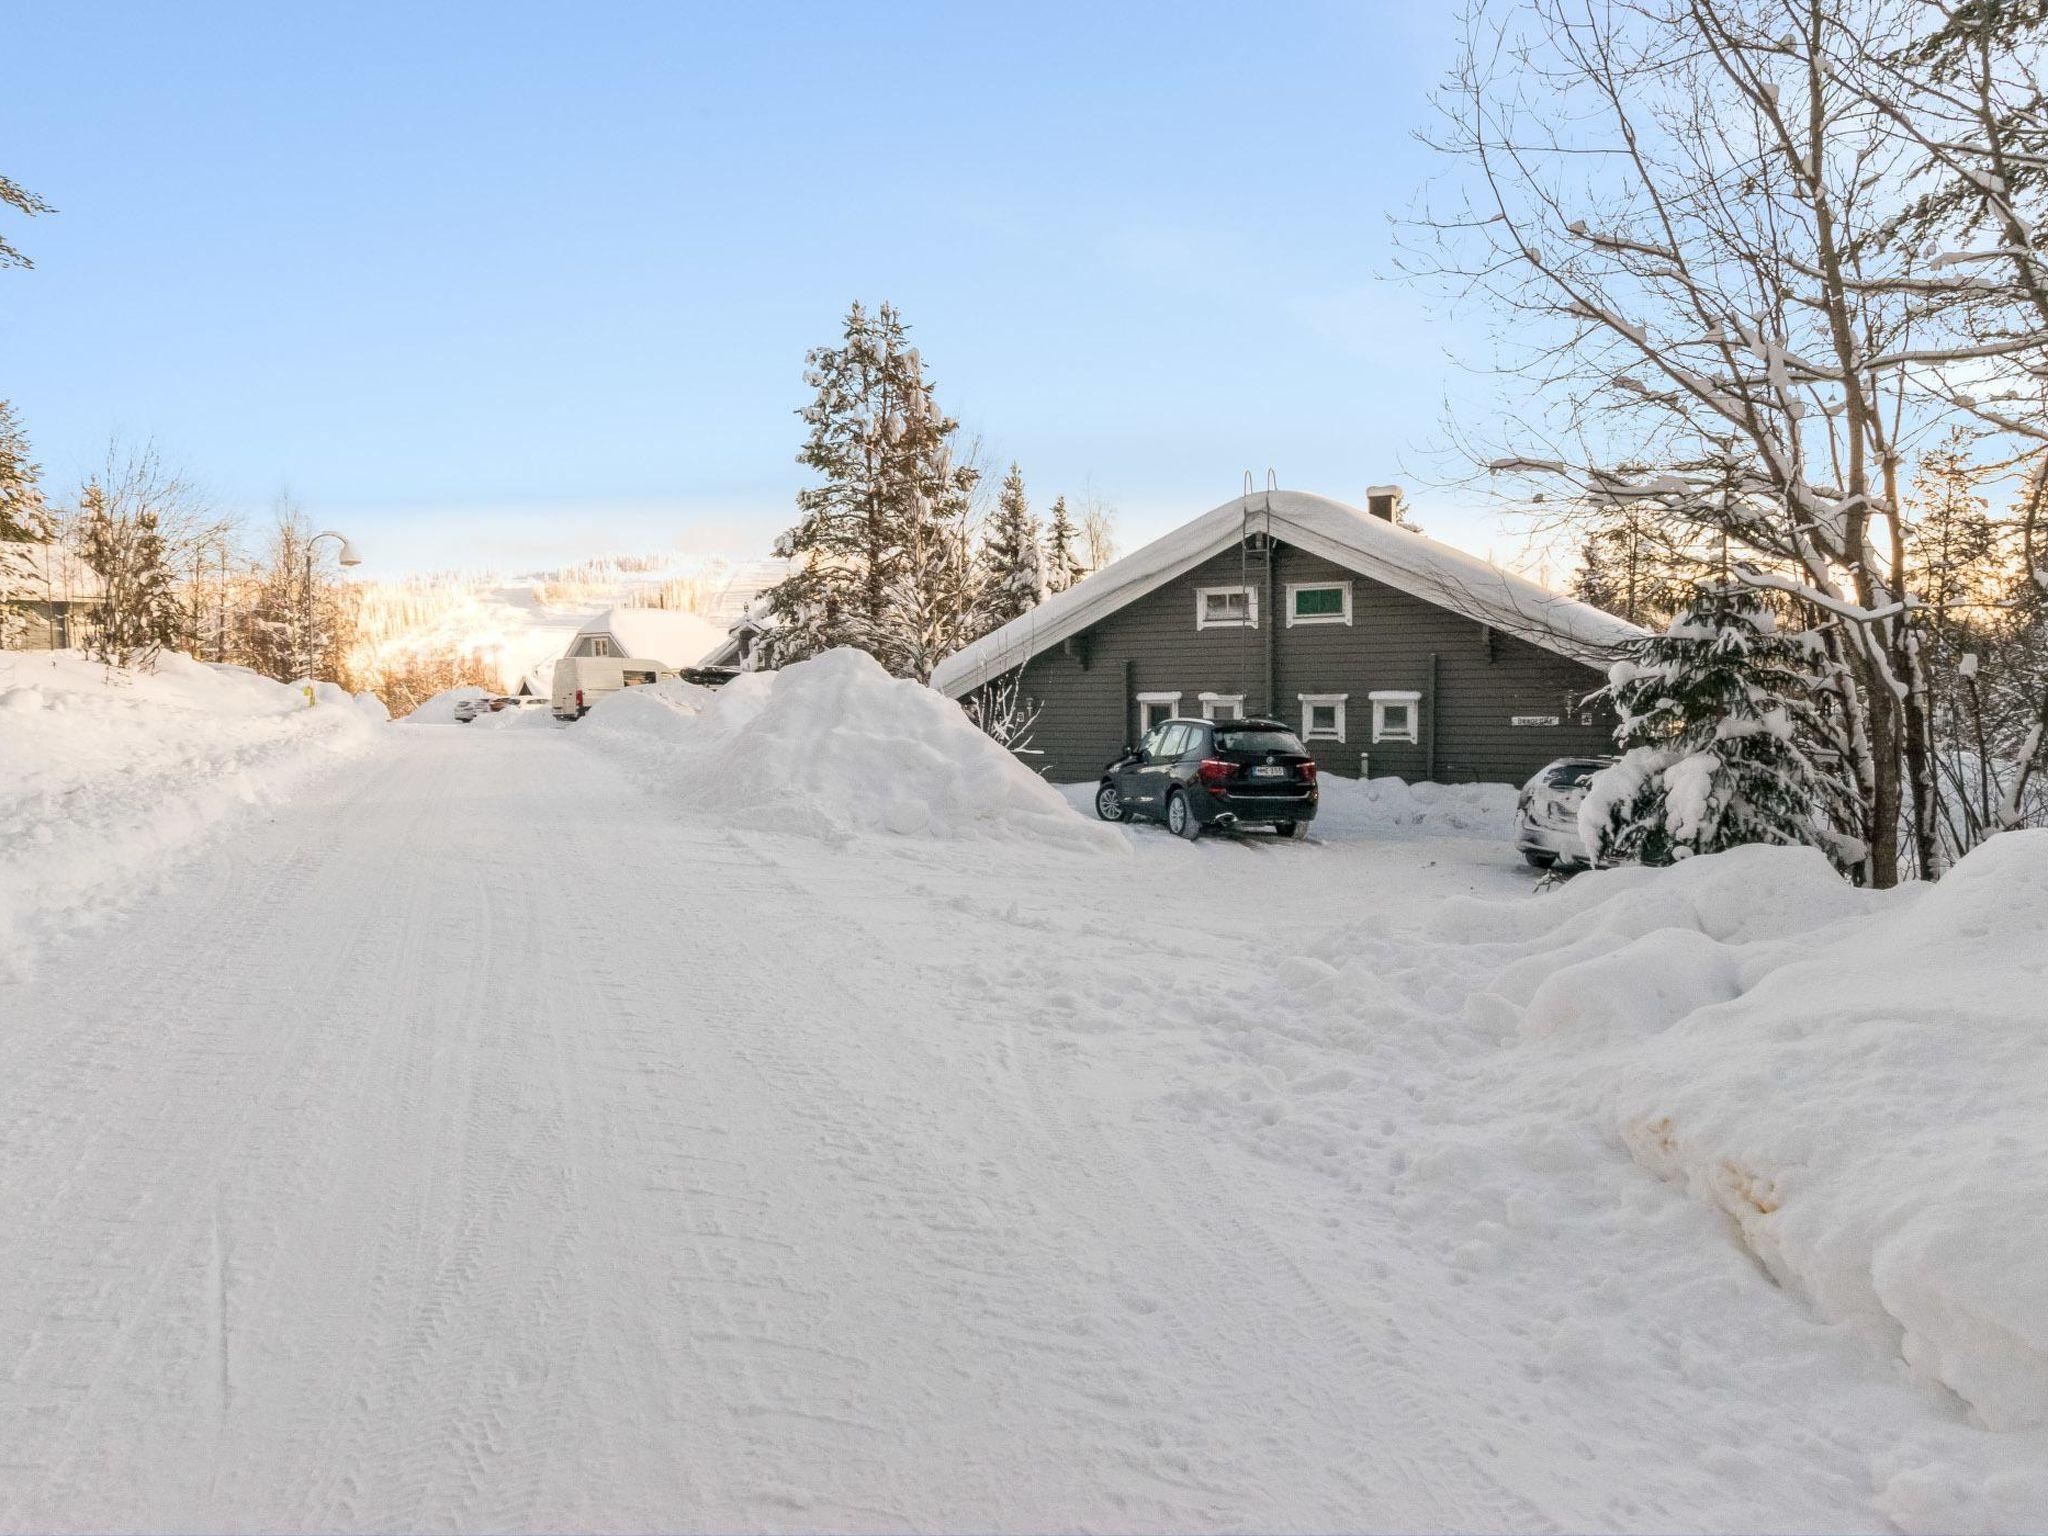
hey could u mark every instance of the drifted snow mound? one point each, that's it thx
(106, 776)
(836, 747)
(654, 710)
(1858, 1080)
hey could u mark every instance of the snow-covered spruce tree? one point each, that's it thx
(873, 562)
(1013, 570)
(1062, 549)
(138, 614)
(24, 520)
(1717, 718)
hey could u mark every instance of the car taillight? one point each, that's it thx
(1308, 770)
(1214, 772)
(579, 698)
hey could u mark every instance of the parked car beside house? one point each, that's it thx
(1547, 813)
(1196, 774)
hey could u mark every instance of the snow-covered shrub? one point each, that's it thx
(1717, 714)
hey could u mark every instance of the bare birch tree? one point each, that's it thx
(1688, 216)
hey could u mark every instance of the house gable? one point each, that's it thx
(1358, 543)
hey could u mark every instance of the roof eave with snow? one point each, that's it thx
(1372, 547)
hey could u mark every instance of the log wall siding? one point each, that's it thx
(1086, 688)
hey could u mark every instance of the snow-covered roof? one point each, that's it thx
(759, 618)
(666, 635)
(1343, 535)
(36, 573)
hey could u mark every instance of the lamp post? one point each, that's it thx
(349, 556)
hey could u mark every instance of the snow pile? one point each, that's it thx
(104, 776)
(1858, 1081)
(1844, 1090)
(654, 711)
(834, 747)
(1349, 806)
(440, 709)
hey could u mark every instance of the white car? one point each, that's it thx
(1547, 813)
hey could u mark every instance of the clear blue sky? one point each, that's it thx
(488, 284)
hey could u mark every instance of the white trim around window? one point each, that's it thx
(1310, 703)
(1222, 706)
(1296, 588)
(1248, 604)
(1396, 714)
(1167, 705)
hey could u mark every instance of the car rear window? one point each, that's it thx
(1259, 741)
(1570, 775)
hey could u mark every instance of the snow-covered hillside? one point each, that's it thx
(520, 622)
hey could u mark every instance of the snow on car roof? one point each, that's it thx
(1403, 559)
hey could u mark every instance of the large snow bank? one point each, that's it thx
(1858, 1081)
(1844, 1091)
(835, 747)
(103, 775)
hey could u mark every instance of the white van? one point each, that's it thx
(580, 681)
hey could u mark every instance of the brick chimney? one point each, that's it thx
(1384, 502)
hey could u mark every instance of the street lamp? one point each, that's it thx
(349, 556)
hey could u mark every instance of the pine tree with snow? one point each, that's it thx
(1062, 549)
(138, 614)
(1013, 570)
(871, 560)
(24, 521)
(1717, 714)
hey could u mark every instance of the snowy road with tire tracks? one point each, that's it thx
(481, 1142)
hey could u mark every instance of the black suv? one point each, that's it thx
(1193, 774)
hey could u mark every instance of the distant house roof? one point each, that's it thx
(1343, 535)
(656, 634)
(40, 573)
(757, 620)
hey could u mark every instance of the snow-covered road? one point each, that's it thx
(482, 1141)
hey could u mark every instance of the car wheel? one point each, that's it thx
(1108, 805)
(1540, 858)
(1296, 830)
(1180, 820)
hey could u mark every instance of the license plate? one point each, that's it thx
(1269, 773)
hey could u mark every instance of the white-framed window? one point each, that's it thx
(1154, 708)
(1226, 608)
(600, 646)
(1318, 602)
(1322, 716)
(1396, 714)
(1222, 706)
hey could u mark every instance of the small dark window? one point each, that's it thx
(1259, 741)
(1311, 601)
